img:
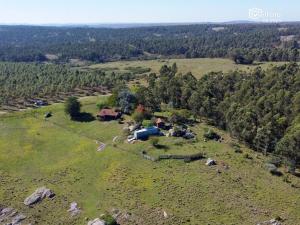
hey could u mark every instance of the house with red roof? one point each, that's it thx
(108, 114)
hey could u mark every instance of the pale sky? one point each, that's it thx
(142, 11)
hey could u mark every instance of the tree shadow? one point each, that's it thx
(84, 117)
(297, 174)
(162, 147)
(255, 64)
(276, 173)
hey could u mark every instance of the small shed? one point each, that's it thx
(146, 133)
(108, 114)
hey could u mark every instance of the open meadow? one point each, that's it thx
(62, 155)
(198, 67)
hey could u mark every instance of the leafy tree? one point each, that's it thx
(126, 101)
(72, 107)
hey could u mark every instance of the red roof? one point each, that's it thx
(108, 112)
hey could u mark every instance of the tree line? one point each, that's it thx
(261, 42)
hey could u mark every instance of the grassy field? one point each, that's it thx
(61, 154)
(198, 67)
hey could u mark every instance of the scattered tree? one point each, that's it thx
(72, 107)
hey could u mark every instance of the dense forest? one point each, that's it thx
(29, 81)
(261, 42)
(260, 108)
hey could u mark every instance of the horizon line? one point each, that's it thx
(145, 23)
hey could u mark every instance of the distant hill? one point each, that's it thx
(113, 42)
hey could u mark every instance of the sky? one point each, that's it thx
(145, 11)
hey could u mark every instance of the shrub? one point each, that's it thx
(147, 123)
(286, 179)
(273, 169)
(211, 135)
(275, 160)
(247, 156)
(236, 147)
(138, 117)
(109, 220)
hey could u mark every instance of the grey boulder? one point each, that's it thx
(270, 222)
(210, 162)
(97, 221)
(17, 219)
(74, 210)
(38, 196)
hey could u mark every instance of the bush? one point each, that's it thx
(138, 117)
(147, 123)
(236, 147)
(275, 160)
(286, 179)
(247, 156)
(273, 169)
(109, 220)
(211, 135)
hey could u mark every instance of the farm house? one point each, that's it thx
(108, 114)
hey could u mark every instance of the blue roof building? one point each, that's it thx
(146, 132)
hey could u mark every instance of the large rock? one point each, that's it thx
(270, 222)
(17, 219)
(210, 162)
(38, 196)
(11, 216)
(74, 210)
(97, 221)
(6, 211)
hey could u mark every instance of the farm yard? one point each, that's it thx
(62, 155)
